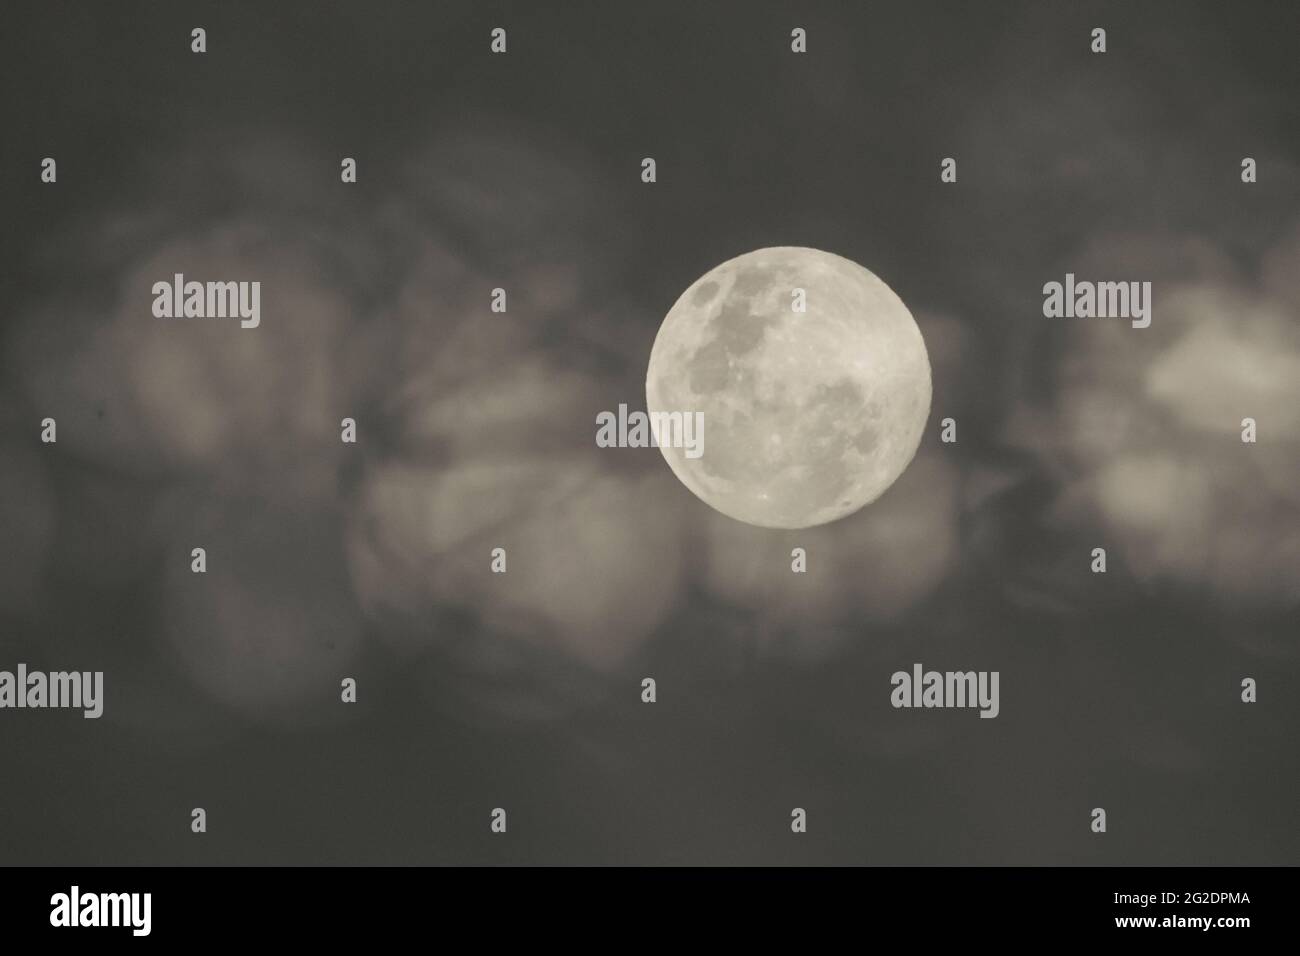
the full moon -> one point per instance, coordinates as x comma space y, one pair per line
812, 380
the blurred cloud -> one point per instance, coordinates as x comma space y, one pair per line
1152, 424
271, 628
869, 567
594, 560
476, 427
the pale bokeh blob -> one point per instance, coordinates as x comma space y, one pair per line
870, 568
271, 627
153, 396
593, 559
1148, 432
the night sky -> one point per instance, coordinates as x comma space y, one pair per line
476, 430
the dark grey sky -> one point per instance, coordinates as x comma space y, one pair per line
522, 171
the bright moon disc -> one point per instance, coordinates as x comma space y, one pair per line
808, 415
